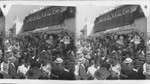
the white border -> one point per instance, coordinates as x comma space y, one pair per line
76, 3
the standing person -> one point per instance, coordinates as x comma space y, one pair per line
12, 68
133, 74
1, 56
82, 70
92, 69
46, 69
146, 68
76, 71
23, 68
115, 71
126, 66
87, 61
5, 66
58, 69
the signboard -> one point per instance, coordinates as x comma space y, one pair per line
45, 13
116, 13
121, 16
120, 28
47, 17
51, 28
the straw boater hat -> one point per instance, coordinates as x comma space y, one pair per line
128, 60
102, 74
59, 60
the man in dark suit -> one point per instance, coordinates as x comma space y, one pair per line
12, 69
58, 69
82, 69
133, 74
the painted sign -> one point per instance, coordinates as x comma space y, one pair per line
118, 17
45, 13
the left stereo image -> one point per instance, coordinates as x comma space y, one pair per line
39, 42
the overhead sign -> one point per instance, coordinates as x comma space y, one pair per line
48, 17
46, 12
51, 28
118, 17
116, 13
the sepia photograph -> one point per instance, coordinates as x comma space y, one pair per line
39, 42
55, 41
111, 43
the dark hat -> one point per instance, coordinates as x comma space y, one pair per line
106, 65
102, 74
34, 73
137, 63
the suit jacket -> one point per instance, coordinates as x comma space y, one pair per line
82, 73
133, 75
58, 70
12, 70
86, 64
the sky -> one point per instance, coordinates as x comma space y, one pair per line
20, 11
90, 12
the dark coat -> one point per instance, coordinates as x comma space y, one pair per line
58, 70
82, 73
12, 71
133, 75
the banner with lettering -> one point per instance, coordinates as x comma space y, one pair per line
47, 17
121, 16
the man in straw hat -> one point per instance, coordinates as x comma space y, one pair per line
126, 66
58, 69
133, 74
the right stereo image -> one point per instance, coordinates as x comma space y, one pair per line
111, 45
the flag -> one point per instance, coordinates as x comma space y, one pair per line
13, 29
84, 30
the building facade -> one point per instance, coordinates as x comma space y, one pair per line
53, 18
122, 19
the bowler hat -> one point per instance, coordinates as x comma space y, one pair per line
102, 74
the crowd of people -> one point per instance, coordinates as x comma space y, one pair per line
39, 55
59, 56
112, 56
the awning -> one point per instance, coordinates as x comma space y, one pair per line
121, 16
125, 31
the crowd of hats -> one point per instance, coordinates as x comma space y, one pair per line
111, 51
40, 51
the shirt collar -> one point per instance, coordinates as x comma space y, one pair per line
135, 70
